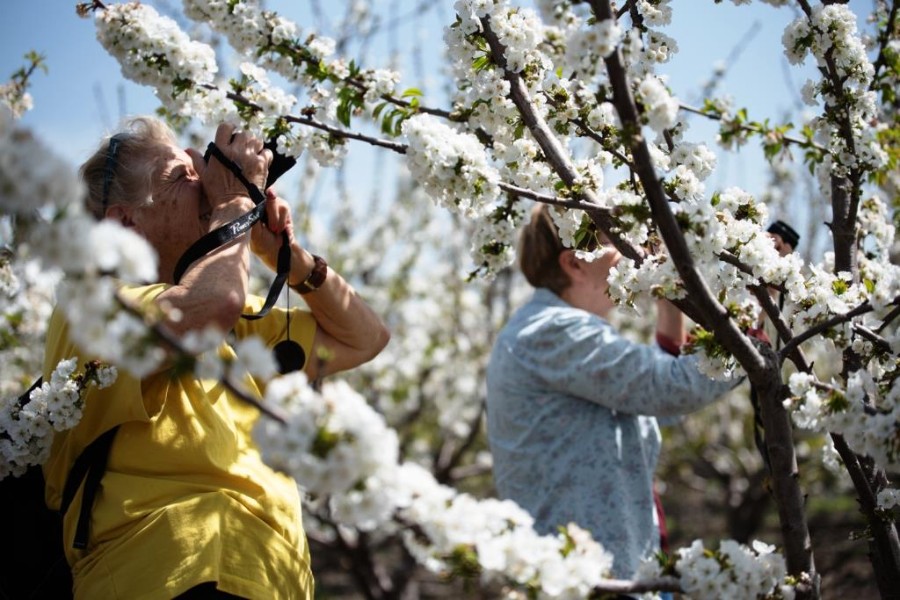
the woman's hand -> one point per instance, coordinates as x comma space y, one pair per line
266, 238
219, 183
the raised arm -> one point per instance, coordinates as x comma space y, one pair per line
670, 324
213, 290
349, 333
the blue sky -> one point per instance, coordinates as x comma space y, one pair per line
84, 95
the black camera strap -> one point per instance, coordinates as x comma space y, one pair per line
228, 232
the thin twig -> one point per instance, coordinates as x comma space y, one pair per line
873, 337
884, 39
750, 128
862, 309
343, 133
895, 312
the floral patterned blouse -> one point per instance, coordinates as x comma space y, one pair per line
571, 414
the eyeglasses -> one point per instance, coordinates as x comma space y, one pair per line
109, 171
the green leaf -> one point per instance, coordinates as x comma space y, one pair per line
343, 113
378, 109
481, 63
839, 286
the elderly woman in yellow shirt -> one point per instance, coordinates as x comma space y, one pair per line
187, 508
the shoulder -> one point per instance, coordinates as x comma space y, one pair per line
536, 322
544, 333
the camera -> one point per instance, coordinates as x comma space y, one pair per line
281, 164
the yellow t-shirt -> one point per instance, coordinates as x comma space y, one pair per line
186, 497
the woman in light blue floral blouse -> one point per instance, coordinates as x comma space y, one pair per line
572, 405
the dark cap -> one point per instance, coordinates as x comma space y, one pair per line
786, 232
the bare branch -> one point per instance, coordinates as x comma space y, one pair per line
895, 312
883, 344
351, 135
625, 586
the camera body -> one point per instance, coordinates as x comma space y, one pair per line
281, 164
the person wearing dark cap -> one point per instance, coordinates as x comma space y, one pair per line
784, 236
785, 239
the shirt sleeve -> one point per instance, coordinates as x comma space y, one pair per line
121, 402
579, 354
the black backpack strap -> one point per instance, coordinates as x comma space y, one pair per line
239, 226
89, 467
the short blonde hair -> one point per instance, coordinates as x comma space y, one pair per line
125, 175
539, 250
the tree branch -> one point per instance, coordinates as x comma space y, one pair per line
762, 366
553, 151
873, 337
827, 324
895, 312
169, 339
450, 454
713, 315
884, 39
750, 128
640, 586
343, 133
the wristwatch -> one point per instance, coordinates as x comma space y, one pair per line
316, 277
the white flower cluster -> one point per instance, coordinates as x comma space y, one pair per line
273, 43
660, 108
254, 358
272, 101
494, 236
502, 538
342, 454
876, 227
655, 12
15, 99
91, 255
830, 34
520, 32
732, 571
586, 46
868, 418
241, 22
451, 166
152, 50
27, 431
32, 177
889, 499
26, 303
823, 295
334, 445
